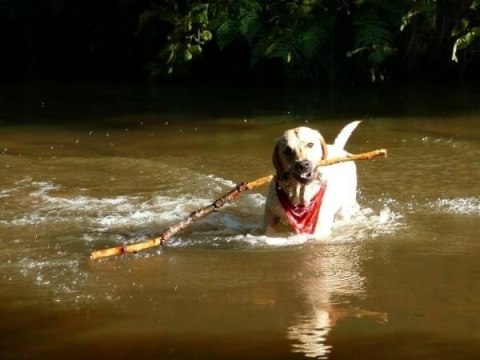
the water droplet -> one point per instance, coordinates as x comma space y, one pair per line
384, 215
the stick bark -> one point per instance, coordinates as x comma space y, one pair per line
354, 157
217, 204
194, 216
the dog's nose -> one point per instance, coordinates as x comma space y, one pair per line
303, 166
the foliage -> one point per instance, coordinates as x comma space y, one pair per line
315, 38
375, 24
188, 30
320, 40
457, 23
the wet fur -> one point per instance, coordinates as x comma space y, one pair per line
291, 155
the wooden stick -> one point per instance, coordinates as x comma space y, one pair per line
194, 216
354, 157
232, 194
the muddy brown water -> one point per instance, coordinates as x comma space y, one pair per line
398, 281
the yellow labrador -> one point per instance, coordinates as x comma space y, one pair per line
303, 195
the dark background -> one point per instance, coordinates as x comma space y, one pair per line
102, 40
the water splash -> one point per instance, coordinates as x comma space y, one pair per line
238, 222
459, 206
81, 221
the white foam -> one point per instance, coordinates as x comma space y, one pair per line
220, 180
366, 224
125, 218
111, 221
156, 212
43, 187
114, 213
459, 206
6, 193
276, 241
28, 219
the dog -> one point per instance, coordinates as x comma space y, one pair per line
303, 195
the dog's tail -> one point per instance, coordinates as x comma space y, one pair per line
344, 135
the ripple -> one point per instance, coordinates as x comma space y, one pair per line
75, 223
237, 223
366, 224
310, 335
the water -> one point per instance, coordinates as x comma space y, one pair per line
398, 281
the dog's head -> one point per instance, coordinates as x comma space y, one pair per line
298, 152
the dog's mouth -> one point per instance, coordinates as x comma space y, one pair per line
304, 177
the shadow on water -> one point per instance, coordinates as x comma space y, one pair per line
91, 167
111, 105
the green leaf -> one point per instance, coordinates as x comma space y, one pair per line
465, 41
195, 50
270, 49
206, 35
226, 33
421, 7
185, 55
199, 13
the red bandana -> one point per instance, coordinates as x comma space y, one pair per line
302, 218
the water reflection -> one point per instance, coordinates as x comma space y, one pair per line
311, 334
336, 282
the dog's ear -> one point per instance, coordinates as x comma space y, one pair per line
324, 148
323, 145
277, 162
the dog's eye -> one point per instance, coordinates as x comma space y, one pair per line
288, 150
310, 144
